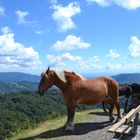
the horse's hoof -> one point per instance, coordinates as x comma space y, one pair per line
111, 119
69, 128
117, 120
64, 126
124, 114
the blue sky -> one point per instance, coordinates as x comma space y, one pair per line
86, 36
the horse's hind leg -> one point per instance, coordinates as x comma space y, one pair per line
111, 118
110, 102
118, 111
103, 105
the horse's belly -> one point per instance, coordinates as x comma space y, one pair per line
91, 100
91, 93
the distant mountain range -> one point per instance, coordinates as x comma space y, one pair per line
18, 87
18, 82
127, 78
22, 82
8, 77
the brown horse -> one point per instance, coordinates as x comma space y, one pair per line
77, 89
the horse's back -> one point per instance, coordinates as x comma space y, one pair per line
107, 80
111, 84
96, 90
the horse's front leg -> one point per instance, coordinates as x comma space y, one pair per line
70, 120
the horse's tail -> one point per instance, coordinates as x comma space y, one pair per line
113, 89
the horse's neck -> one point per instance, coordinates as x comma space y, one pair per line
59, 83
70, 78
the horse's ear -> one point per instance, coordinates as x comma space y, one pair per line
47, 71
73, 73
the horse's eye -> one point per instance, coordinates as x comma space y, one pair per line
43, 78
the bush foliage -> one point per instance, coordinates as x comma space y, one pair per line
23, 111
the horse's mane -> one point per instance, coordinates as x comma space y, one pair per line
62, 74
73, 76
59, 72
81, 76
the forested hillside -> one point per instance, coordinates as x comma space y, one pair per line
23, 111
18, 87
20, 82
27, 110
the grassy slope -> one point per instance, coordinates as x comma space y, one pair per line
53, 124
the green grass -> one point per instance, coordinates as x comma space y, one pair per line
53, 124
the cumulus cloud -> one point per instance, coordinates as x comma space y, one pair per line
63, 15
60, 59
134, 48
127, 4
21, 18
114, 67
15, 54
5, 30
131, 66
123, 66
113, 54
2, 11
71, 42
103, 3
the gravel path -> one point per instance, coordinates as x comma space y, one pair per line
94, 128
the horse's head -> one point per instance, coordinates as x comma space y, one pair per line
46, 81
59, 78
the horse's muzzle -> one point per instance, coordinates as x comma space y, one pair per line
40, 92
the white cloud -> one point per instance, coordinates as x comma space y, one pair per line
2, 11
123, 66
114, 67
39, 32
131, 66
53, 1
103, 3
15, 54
134, 48
69, 43
21, 18
60, 59
63, 15
5, 30
113, 54
127, 4
89, 63
95, 59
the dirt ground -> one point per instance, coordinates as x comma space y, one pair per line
93, 128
